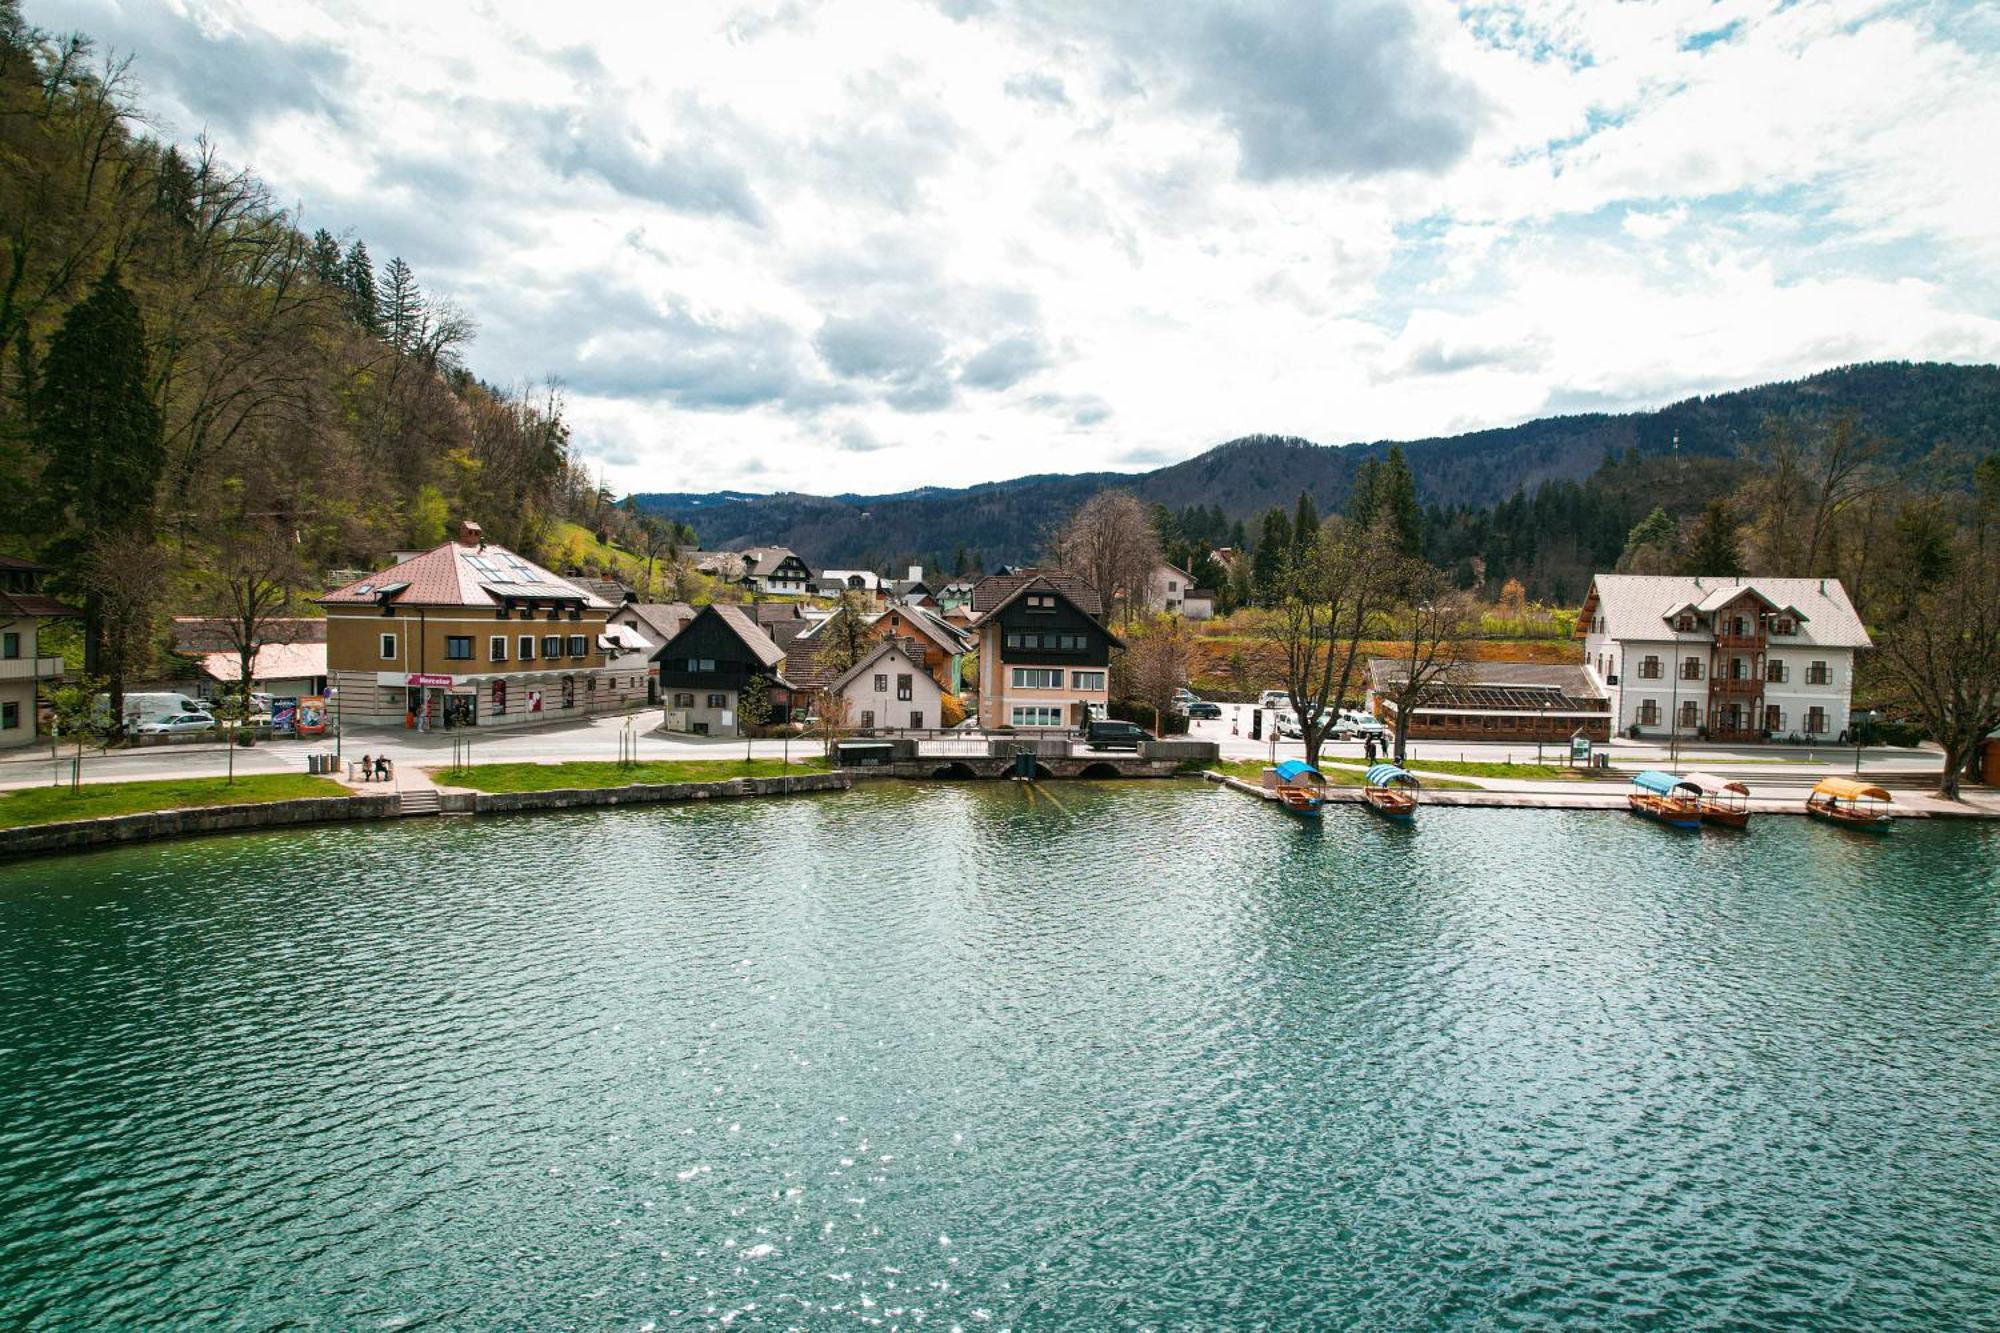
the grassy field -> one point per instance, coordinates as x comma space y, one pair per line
54, 805
1337, 775
605, 773
1524, 772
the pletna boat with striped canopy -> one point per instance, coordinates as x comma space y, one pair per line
1392, 793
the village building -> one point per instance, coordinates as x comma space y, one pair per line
289, 661
1167, 589
889, 690
704, 670
1726, 659
23, 668
1498, 701
1044, 653
470, 634
772, 570
1199, 604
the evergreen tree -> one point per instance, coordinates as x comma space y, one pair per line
1395, 497
1274, 550
1305, 526
359, 274
1361, 501
325, 258
1713, 548
402, 305
100, 437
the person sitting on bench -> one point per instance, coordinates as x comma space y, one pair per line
364, 768
382, 768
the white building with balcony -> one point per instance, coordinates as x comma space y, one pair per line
1729, 659
23, 669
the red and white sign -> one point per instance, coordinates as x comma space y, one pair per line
423, 678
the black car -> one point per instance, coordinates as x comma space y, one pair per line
1203, 708
1110, 734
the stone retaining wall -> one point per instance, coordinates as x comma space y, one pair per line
572, 798
80, 834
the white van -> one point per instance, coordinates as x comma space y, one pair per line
1275, 699
149, 706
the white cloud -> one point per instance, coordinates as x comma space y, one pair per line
872, 244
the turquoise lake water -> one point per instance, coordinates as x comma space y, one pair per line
936, 1057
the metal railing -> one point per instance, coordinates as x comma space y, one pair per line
30, 668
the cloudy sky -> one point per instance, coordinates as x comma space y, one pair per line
877, 244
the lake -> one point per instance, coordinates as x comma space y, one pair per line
1143, 1055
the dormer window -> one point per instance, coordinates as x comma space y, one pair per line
1684, 622
1041, 601
1784, 625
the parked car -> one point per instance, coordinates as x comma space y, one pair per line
175, 724
1183, 697
1111, 734
1286, 724
1203, 708
1275, 699
1353, 724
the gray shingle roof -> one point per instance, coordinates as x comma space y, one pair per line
1635, 606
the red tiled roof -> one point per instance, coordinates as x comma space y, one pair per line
451, 575
34, 604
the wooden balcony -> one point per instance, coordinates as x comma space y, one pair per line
1740, 643
1736, 686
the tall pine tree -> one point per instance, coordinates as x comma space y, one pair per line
1273, 554
359, 271
102, 452
1713, 548
402, 307
1361, 500
325, 258
1305, 526
1396, 500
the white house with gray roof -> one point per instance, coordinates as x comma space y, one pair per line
1734, 659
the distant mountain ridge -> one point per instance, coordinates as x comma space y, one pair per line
1918, 406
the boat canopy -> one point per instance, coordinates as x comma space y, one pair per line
1292, 770
1709, 782
1847, 789
1662, 784
1388, 775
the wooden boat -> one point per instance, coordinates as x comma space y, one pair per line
1852, 804
1665, 799
1301, 788
1724, 801
1391, 793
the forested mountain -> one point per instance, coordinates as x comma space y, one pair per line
1915, 408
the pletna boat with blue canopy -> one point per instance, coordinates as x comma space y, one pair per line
1391, 792
1665, 798
1301, 788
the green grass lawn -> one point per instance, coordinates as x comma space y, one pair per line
1526, 772
53, 805
605, 773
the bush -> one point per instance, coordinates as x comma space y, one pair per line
1131, 710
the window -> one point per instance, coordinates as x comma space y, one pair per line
1649, 713
867, 719
1041, 601
458, 647
10, 716
684, 699
917, 719
1815, 720
1680, 623
1038, 678
1037, 716
904, 688
1690, 714
718, 701
552, 645
527, 648
500, 697
1691, 668
1086, 680
1775, 672
496, 648
701, 664
1738, 669
1774, 718
881, 683
1817, 674
578, 646
1650, 669
10, 644
388, 647
1783, 625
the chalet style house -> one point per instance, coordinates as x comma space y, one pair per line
774, 570
889, 690
470, 634
1729, 659
704, 669
1044, 653
23, 608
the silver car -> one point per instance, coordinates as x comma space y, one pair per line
175, 724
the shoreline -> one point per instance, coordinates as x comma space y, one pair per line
53, 839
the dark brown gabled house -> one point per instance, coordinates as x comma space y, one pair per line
704, 670
1044, 653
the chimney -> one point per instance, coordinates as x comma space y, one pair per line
469, 533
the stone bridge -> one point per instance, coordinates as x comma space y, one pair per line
1039, 757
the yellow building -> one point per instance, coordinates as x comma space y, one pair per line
471, 634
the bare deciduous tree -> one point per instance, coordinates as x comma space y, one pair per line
1330, 593
1157, 661
1111, 544
1432, 627
1938, 656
